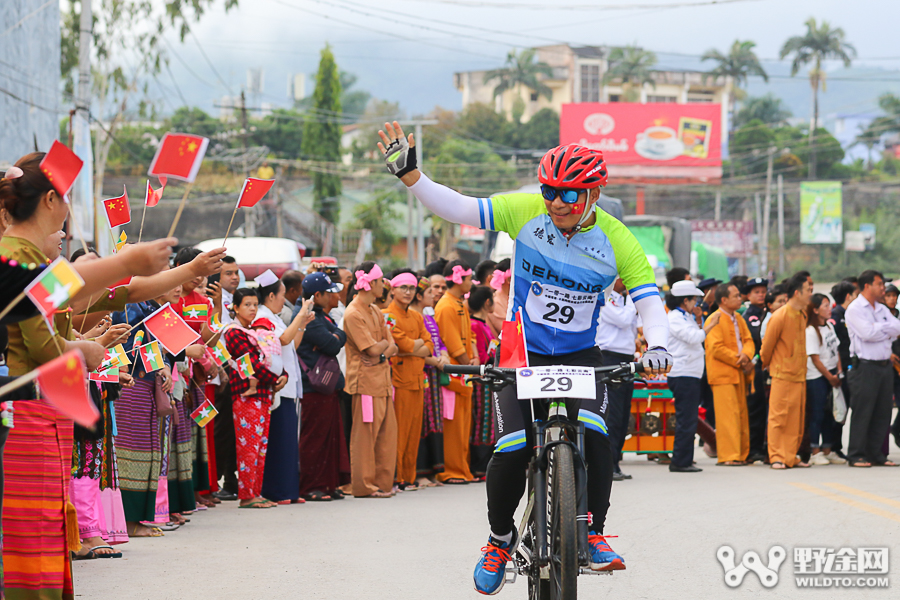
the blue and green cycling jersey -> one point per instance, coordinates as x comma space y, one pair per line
559, 283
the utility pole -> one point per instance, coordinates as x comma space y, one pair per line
764, 246
781, 266
756, 203
718, 205
89, 224
414, 217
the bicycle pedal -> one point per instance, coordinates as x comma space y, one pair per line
588, 571
511, 575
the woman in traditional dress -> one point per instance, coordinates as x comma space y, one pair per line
281, 479
251, 396
499, 282
37, 516
481, 306
430, 460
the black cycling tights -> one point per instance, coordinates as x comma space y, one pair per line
507, 472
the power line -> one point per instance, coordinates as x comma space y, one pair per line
578, 7
209, 62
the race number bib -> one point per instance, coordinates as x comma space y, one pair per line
556, 382
560, 308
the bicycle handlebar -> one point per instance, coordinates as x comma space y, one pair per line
499, 372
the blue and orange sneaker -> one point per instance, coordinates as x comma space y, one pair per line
602, 556
490, 572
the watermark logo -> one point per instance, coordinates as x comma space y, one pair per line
814, 567
751, 561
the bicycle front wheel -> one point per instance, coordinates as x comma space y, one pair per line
563, 527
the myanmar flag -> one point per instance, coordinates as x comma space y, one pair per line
204, 413
195, 312
220, 354
179, 155
215, 324
170, 329
105, 375
245, 366
123, 239
54, 287
63, 382
513, 352
117, 356
138, 340
151, 357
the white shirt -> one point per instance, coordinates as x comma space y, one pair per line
287, 361
617, 325
827, 350
686, 344
871, 329
227, 299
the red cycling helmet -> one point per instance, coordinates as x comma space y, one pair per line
573, 166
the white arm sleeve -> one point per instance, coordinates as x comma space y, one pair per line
446, 203
656, 323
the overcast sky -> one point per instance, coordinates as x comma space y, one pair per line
408, 50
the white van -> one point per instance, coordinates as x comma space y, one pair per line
256, 254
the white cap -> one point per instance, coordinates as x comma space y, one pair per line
685, 288
266, 279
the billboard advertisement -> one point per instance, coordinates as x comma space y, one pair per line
734, 238
821, 219
656, 135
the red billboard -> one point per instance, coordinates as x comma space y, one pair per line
648, 135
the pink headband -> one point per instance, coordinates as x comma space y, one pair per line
459, 274
364, 280
404, 279
499, 278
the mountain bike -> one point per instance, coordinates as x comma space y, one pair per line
552, 548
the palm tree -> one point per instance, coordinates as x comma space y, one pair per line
632, 66
521, 70
819, 43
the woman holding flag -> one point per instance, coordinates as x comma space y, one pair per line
39, 519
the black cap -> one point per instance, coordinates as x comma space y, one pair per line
708, 283
755, 282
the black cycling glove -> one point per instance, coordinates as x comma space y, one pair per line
399, 158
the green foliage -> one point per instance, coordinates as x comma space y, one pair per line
885, 257
521, 70
322, 137
282, 132
353, 102
740, 63
193, 120
481, 122
769, 109
379, 217
631, 66
472, 168
828, 153
541, 132
749, 145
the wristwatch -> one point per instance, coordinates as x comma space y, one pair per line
382, 358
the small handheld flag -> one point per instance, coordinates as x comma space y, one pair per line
138, 339
513, 351
253, 191
170, 329
61, 166
54, 287
117, 356
204, 413
245, 366
63, 382
118, 212
195, 312
108, 375
215, 323
179, 156
151, 357
123, 239
152, 197
220, 354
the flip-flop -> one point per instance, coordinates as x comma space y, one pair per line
379, 494
860, 464
780, 468
89, 555
317, 496
456, 481
257, 504
108, 554
153, 532
887, 463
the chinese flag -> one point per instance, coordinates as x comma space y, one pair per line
117, 210
152, 196
61, 166
253, 191
170, 329
63, 382
179, 155
513, 353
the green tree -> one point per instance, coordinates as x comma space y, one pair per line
281, 131
472, 168
632, 67
825, 150
380, 217
481, 122
768, 109
749, 145
740, 63
322, 138
541, 132
193, 120
521, 71
818, 44
888, 123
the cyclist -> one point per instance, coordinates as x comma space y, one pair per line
567, 251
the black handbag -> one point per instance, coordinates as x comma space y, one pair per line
324, 376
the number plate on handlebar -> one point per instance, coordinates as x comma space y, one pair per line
556, 382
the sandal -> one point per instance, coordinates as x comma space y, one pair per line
379, 494
860, 463
89, 555
801, 465
456, 481
317, 496
887, 463
778, 466
148, 532
337, 495
106, 555
257, 504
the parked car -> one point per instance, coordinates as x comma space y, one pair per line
256, 254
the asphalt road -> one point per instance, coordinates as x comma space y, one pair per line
425, 544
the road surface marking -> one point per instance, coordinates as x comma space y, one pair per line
849, 502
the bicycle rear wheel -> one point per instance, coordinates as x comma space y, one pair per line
563, 582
